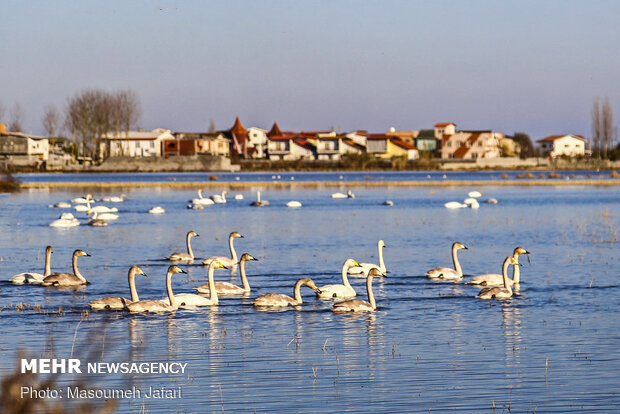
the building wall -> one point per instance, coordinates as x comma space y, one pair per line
567, 146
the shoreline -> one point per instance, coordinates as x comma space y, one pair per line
316, 184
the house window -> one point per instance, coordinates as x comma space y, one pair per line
152, 144
449, 144
474, 155
460, 143
479, 143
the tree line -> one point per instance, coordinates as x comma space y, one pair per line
88, 115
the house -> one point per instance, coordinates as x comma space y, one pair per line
257, 142
238, 138
444, 128
385, 146
196, 143
563, 145
359, 137
19, 149
471, 145
290, 147
133, 143
426, 140
406, 136
58, 158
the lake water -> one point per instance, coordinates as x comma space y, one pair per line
431, 346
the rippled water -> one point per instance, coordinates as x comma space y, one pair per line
430, 346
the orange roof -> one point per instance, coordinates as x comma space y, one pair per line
462, 150
552, 138
238, 128
402, 144
275, 130
377, 136
443, 124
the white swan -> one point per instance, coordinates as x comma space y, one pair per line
454, 204
185, 257
189, 300
82, 200
35, 278
225, 288
280, 300
82, 207
474, 194
349, 194
96, 221
364, 268
104, 215
238, 196
61, 204
226, 261
157, 210
201, 200
114, 199
259, 202
339, 291
497, 292
358, 305
67, 279
196, 206
494, 279
388, 203
104, 209
446, 272
65, 222
154, 305
219, 198
116, 302
293, 204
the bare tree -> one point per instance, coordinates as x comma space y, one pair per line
93, 114
607, 126
1, 113
17, 115
595, 112
212, 126
51, 121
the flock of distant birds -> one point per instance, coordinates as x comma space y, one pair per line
494, 286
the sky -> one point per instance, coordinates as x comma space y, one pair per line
531, 66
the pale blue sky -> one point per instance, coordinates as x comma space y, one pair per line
532, 66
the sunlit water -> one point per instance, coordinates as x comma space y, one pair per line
430, 346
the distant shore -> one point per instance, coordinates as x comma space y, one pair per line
318, 184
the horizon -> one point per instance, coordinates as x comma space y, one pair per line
509, 67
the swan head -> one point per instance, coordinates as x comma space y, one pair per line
235, 235
350, 263
79, 253
374, 272
459, 246
217, 265
192, 234
49, 249
513, 261
175, 269
136, 270
382, 243
247, 256
519, 251
310, 283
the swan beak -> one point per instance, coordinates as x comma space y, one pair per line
465, 247
183, 271
86, 254
317, 291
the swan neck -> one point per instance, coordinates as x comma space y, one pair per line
505, 275
48, 263
345, 278
455, 260
244, 278
381, 262
132, 286
371, 296
231, 246
76, 271
169, 290
189, 246
516, 274
212, 290
297, 292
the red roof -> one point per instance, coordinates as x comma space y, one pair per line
552, 138
279, 138
275, 130
463, 149
377, 136
238, 128
402, 144
444, 124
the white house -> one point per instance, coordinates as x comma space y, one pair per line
559, 145
134, 143
21, 149
471, 145
257, 138
290, 148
